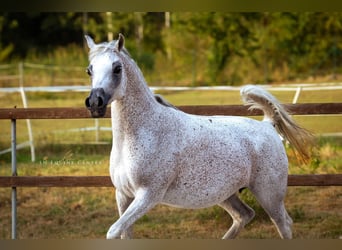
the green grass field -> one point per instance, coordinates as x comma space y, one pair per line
57, 213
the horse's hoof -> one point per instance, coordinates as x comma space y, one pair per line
112, 234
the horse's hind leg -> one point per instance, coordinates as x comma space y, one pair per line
240, 212
272, 200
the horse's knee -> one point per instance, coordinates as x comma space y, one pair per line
244, 216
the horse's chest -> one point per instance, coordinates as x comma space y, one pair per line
130, 170
122, 180
121, 173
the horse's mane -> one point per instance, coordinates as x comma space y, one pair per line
163, 102
105, 47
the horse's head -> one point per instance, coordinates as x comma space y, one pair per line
107, 76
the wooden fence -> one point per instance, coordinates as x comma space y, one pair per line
104, 181
15, 181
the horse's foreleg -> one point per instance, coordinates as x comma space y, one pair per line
123, 202
240, 212
141, 204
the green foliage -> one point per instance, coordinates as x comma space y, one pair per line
5, 52
190, 48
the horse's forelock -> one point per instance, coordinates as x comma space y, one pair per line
104, 48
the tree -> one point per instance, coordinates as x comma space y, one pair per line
42, 31
206, 47
230, 34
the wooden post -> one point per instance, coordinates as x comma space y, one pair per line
24, 99
295, 98
14, 173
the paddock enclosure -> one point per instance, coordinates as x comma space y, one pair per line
14, 114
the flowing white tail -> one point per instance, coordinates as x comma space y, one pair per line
301, 139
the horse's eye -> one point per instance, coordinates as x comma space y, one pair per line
117, 69
88, 70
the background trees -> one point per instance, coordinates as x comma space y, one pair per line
189, 48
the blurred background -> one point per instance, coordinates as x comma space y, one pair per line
179, 48
43, 57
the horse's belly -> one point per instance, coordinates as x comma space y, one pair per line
199, 199
207, 189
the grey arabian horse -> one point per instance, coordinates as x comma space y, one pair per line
163, 155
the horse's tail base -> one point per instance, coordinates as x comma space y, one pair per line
301, 139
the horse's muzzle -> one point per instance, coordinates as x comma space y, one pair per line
97, 102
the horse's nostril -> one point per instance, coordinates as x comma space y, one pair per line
99, 101
87, 102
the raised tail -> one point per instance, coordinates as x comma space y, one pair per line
301, 139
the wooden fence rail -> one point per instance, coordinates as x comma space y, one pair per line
104, 181
241, 110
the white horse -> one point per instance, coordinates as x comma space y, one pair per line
163, 155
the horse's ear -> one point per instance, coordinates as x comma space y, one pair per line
90, 41
120, 42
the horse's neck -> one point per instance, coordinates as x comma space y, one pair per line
132, 112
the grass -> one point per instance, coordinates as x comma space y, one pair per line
65, 213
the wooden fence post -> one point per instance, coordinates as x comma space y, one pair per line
14, 173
